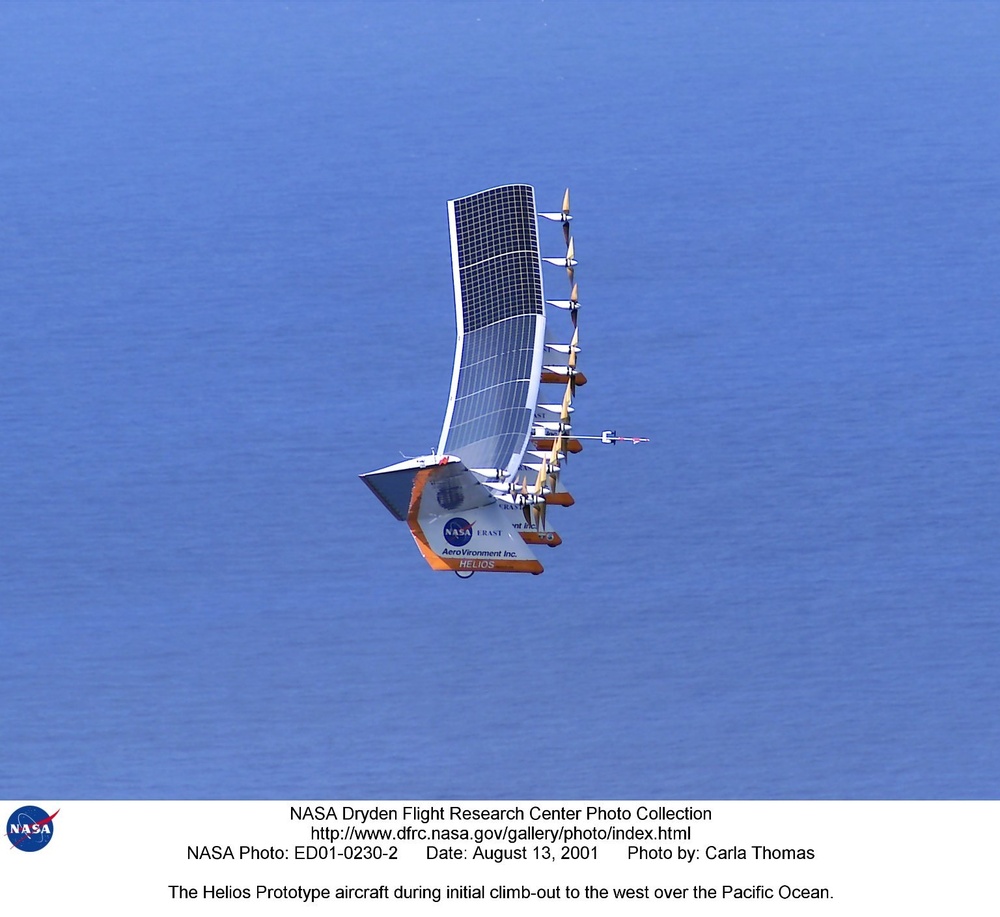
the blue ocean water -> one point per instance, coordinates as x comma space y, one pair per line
225, 291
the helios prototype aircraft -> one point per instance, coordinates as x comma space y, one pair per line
479, 503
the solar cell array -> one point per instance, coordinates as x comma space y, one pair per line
498, 286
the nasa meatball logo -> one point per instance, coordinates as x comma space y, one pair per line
458, 532
30, 828
449, 496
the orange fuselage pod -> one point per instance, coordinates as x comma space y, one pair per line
559, 499
533, 536
545, 444
561, 378
515, 519
458, 524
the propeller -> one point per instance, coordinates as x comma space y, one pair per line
560, 348
574, 349
538, 511
572, 304
567, 398
539, 506
557, 450
569, 262
525, 509
560, 373
562, 216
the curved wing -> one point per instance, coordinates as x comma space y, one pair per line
500, 313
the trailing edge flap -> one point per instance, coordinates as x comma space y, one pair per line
458, 525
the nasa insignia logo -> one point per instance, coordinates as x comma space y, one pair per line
449, 496
30, 828
457, 532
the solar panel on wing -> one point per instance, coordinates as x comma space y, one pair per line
501, 327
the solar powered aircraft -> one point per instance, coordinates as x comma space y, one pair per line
480, 502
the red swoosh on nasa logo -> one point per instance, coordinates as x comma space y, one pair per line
44, 821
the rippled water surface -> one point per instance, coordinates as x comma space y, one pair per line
225, 290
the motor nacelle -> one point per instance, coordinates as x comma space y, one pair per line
551, 539
562, 375
545, 444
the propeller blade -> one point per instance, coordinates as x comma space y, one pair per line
554, 468
538, 511
571, 304
562, 216
556, 449
542, 474
575, 378
564, 414
556, 454
574, 349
